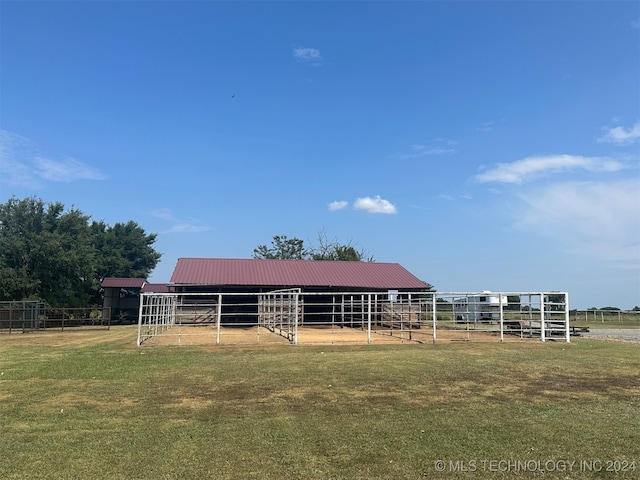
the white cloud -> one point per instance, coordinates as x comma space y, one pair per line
600, 220
17, 174
65, 171
307, 54
14, 152
451, 197
338, 205
421, 150
620, 135
21, 164
530, 168
189, 225
375, 205
438, 146
485, 127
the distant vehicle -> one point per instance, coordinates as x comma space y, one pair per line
478, 308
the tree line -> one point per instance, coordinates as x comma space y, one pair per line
60, 256
284, 248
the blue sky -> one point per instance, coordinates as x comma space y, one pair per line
482, 145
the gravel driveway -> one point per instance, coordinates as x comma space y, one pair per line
621, 334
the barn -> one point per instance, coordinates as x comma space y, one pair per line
324, 283
223, 301
223, 275
121, 296
279, 293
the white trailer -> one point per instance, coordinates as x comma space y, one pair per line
478, 308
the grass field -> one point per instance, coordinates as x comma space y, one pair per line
604, 319
91, 405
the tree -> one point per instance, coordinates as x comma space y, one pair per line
56, 256
513, 302
282, 248
125, 250
45, 253
333, 250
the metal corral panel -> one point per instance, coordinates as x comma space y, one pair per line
300, 273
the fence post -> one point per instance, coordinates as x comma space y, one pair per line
543, 327
566, 317
296, 301
369, 321
62, 322
501, 318
433, 302
218, 319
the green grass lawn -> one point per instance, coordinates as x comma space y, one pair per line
91, 405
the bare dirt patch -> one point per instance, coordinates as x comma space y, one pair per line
318, 335
207, 335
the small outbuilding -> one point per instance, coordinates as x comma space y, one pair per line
121, 298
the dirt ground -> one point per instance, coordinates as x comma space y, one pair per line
207, 335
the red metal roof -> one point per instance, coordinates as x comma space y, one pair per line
114, 282
293, 273
155, 288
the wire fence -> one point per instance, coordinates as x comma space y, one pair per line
609, 317
296, 317
33, 316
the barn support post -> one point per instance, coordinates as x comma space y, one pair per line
218, 318
333, 311
352, 310
376, 311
